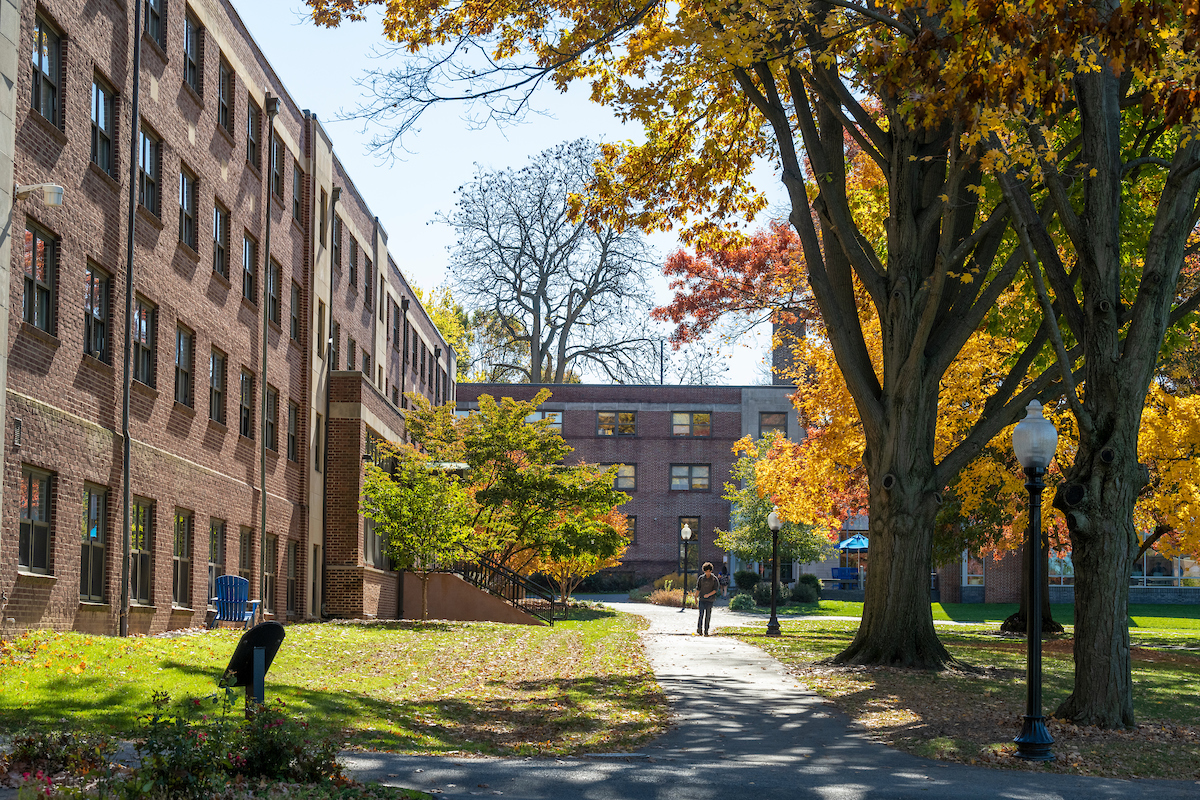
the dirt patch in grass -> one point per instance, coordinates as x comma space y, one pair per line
972, 717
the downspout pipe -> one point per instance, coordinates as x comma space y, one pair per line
337, 195
135, 130
403, 405
272, 106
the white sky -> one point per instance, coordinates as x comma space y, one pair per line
319, 68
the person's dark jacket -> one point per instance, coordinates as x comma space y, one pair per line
707, 587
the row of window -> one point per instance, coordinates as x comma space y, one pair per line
36, 540
683, 423
684, 477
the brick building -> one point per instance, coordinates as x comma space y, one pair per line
676, 447
214, 162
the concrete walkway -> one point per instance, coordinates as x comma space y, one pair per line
743, 729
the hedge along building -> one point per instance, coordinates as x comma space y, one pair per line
344, 335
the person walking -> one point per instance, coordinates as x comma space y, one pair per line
706, 592
723, 579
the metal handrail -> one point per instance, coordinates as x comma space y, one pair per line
510, 586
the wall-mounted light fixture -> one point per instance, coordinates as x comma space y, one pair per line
52, 193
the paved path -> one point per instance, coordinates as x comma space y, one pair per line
743, 729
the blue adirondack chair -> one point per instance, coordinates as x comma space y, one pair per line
233, 601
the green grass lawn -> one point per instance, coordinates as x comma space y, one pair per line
973, 716
581, 686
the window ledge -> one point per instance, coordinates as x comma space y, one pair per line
92, 605
142, 608
48, 339
183, 408
221, 279
107, 179
254, 170
297, 224
228, 136
155, 46
243, 438
143, 389
36, 577
212, 423
189, 251
249, 304
149, 217
97, 364
181, 609
48, 126
189, 90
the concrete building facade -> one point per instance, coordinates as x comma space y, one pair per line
345, 335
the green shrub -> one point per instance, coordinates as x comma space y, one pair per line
741, 602
641, 594
673, 581
59, 750
671, 597
803, 592
746, 580
271, 744
811, 581
762, 593
179, 758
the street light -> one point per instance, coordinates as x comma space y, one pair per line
774, 523
1034, 442
685, 534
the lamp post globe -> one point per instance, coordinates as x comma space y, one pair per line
1034, 442
685, 534
774, 523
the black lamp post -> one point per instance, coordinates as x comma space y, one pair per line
774, 523
1034, 441
685, 535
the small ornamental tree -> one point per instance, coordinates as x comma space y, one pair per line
584, 546
421, 512
749, 536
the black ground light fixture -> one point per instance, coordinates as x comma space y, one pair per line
774, 523
1034, 442
685, 536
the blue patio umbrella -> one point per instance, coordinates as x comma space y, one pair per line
855, 544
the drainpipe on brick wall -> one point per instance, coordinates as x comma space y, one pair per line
337, 195
134, 128
271, 103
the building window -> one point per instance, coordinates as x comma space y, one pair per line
150, 148
189, 195
366, 364
395, 327
40, 278
193, 69
353, 263
616, 423
317, 434
297, 188
270, 568
691, 423
143, 341
181, 560
249, 261
689, 477
335, 335
224, 96
352, 354
368, 282
183, 366
102, 125
274, 310
293, 441
321, 330
631, 529
141, 520
216, 554
372, 544
382, 295
626, 479
324, 213
155, 27
91, 557
555, 418
221, 240
972, 570
421, 373
216, 387
292, 575
253, 131
95, 312
272, 418
277, 155
47, 69
245, 410
693, 550
294, 309
245, 537
33, 549
772, 422
336, 247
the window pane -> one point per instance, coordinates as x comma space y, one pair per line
681, 424
628, 423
